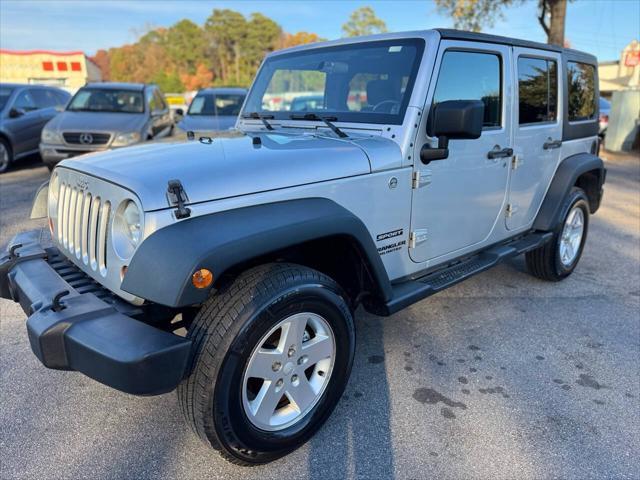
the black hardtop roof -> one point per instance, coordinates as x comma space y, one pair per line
452, 34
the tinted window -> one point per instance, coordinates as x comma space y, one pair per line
537, 90
369, 82
472, 76
25, 101
44, 98
582, 94
107, 100
5, 93
218, 104
63, 98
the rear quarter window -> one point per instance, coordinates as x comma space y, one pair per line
582, 91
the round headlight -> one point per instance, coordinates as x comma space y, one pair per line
127, 229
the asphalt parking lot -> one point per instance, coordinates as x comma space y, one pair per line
503, 376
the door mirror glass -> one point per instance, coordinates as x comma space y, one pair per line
452, 120
16, 112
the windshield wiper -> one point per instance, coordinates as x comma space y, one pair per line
257, 116
326, 120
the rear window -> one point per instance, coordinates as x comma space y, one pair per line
581, 79
537, 90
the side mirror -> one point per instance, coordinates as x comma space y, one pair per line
16, 112
179, 111
452, 120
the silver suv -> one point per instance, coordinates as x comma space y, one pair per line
430, 157
106, 115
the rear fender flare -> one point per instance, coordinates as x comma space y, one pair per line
563, 181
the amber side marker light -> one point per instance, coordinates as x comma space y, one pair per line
123, 272
51, 226
202, 278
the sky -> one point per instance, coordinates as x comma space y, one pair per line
601, 27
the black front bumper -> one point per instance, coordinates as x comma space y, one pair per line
87, 329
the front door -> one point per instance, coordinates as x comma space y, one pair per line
537, 133
457, 201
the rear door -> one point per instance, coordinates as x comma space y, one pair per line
457, 201
537, 132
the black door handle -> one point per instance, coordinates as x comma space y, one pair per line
552, 144
497, 153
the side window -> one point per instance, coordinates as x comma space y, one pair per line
61, 99
582, 93
537, 90
43, 98
472, 76
25, 101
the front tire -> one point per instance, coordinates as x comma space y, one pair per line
558, 258
6, 155
272, 353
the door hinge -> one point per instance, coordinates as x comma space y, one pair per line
511, 209
516, 161
420, 179
417, 237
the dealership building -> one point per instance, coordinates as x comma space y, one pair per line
67, 70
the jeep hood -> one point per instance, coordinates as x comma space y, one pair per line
227, 167
97, 122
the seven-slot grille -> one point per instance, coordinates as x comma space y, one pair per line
86, 138
83, 220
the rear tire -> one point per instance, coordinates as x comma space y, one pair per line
228, 360
558, 258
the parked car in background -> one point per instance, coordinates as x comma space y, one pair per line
605, 109
24, 111
213, 109
307, 103
106, 115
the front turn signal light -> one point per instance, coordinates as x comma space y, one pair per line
202, 278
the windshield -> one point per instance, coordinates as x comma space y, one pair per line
369, 82
5, 93
216, 104
107, 100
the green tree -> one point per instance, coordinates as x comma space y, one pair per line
185, 46
363, 21
227, 50
225, 29
474, 14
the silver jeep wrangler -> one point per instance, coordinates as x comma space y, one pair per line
372, 171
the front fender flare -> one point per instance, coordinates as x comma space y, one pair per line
161, 269
563, 181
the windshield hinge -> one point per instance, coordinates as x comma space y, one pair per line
177, 196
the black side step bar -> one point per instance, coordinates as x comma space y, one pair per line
411, 291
